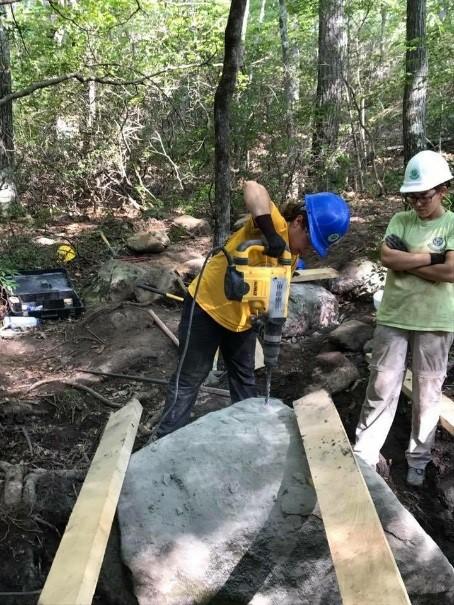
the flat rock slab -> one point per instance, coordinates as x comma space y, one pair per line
351, 335
222, 511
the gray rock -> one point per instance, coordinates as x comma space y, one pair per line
310, 308
446, 487
241, 221
368, 346
352, 335
194, 226
191, 267
360, 277
333, 372
117, 281
148, 241
222, 511
8, 192
415, 552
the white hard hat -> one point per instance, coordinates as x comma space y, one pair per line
424, 171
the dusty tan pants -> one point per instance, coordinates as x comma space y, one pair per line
387, 369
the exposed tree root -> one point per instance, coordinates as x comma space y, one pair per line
76, 385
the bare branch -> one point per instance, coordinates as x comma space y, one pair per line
57, 10
28, 90
164, 153
19, 30
5, 2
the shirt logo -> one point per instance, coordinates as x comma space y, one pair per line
437, 244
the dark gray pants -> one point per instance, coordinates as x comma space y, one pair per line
238, 352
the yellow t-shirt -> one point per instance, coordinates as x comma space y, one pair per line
412, 303
232, 314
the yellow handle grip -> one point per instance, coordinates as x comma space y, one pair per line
241, 254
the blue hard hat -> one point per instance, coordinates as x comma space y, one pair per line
328, 216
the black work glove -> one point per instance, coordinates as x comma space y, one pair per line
275, 244
437, 258
396, 243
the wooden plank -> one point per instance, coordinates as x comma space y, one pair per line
446, 407
365, 567
74, 573
163, 327
314, 275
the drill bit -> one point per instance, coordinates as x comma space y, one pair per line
268, 385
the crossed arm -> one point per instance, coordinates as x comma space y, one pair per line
418, 263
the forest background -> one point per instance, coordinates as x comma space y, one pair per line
108, 104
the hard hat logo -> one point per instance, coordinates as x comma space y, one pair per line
414, 174
333, 237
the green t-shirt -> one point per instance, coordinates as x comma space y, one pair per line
410, 302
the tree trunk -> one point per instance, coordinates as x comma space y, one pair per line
290, 59
291, 65
331, 51
243, 35
416, 71
222, 99
7, 183
262, 11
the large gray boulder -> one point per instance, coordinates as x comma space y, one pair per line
360, 277
192, 225
148, 241
311, 307
222, 511
118, 280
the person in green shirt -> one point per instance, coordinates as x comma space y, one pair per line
416, 314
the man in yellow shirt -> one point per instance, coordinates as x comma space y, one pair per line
417, 313
217, 322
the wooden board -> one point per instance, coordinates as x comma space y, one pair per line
446, 407
74, 573
314, 275
365, 567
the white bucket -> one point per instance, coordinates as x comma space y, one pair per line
14, 322
378, 295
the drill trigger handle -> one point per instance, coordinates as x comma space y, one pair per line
257, 244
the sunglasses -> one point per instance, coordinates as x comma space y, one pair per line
423, 198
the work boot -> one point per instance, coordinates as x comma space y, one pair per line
415, 476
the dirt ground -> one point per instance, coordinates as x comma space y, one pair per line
52, 430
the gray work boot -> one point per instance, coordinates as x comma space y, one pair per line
415, 476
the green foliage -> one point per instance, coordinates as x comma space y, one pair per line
7, 273
448, 202
22, 253
176, 233
149, 145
